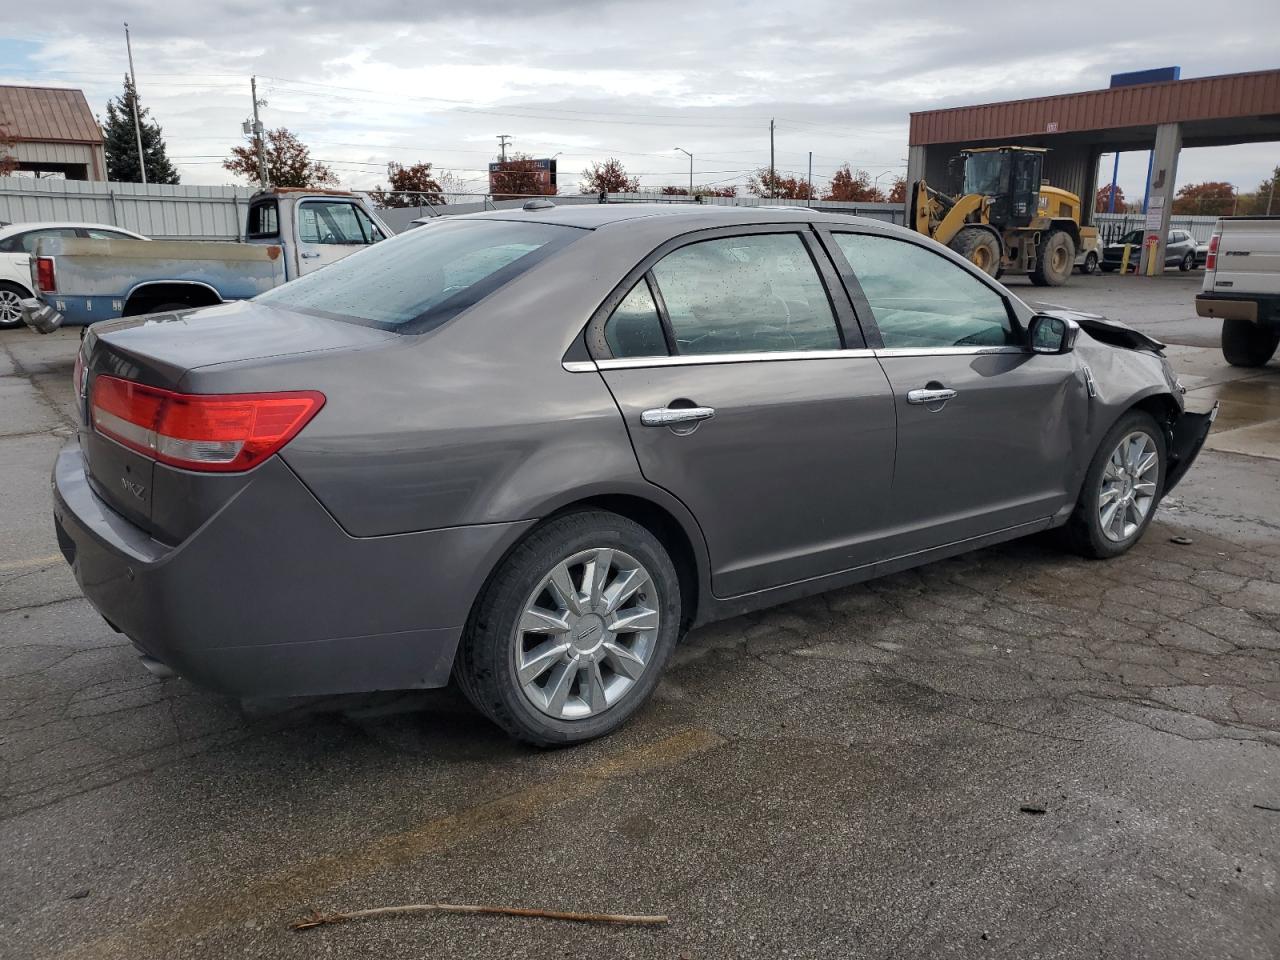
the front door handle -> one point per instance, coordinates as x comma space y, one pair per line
671, 416
930, 396
309, 256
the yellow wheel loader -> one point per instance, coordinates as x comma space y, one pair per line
1007, 220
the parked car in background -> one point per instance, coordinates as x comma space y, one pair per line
17, 242
1242, 288
289, 233
1179, 251
1088, 256
1202, 254
530, 448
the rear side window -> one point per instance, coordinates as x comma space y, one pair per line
748, 294
634, 329
923, 300
423, 277
264, 221
94, 234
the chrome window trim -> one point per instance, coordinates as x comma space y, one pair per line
694, 360
580, 366
945, 351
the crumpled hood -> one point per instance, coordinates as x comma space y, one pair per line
1103, 328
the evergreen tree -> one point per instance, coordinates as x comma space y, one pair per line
122, 142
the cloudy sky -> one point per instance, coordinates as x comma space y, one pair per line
364, 83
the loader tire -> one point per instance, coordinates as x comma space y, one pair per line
980, 247
1055, 259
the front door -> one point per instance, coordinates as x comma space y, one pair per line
329, 230
742, 400
985, 426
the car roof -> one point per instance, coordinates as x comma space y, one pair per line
52, 224
591, 216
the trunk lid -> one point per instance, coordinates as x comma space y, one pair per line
162, 350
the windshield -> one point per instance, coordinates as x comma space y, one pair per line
984, 173
424, 277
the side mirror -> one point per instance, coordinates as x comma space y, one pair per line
1050, 334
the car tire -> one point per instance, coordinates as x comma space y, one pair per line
1107, 268
1187, 262
1246, 344
1084, 532
523, 590
1055, 258
1090, 265
10, 314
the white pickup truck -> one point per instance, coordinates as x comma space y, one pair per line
289, 233
1242, 288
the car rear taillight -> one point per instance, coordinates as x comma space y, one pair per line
46, 275
1211, 261
209, 432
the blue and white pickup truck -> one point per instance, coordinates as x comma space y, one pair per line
289, 232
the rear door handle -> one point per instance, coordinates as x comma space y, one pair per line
670, 416
930, 396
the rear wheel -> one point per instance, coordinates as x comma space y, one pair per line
571, 633
1246, 344
10, 312
1187, 262
980, 247
1055, 257
1121, 489
1090, 265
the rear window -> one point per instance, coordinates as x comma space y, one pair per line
424, 277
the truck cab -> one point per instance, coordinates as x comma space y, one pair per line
315, 227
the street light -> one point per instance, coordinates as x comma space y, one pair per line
690, 156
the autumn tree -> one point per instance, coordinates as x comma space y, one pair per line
1214, 198
120, 141
773, 184
412, 186
853, 185
289, 162
517, 176
8, 159
898, 192
1102, 200
608, 177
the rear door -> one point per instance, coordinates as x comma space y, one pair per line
329, 230
985, 426
749, 394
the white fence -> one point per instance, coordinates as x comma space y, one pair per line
155, 210
1111, 226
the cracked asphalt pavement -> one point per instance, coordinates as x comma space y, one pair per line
1015, 753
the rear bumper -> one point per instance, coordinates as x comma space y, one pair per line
270, 597
1261, 310
1189, 434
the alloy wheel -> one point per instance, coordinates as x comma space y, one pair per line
1128, 491
586, 633
10, 312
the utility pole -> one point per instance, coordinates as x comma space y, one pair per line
690, 156
1271, 195
257, 134
503, 138
810, 194
773, 177
137, 126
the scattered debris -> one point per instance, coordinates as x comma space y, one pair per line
1263, 806
317, 919
1034, 811
78, 894
1181, 541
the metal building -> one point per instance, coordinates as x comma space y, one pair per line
55, 132
1079, 127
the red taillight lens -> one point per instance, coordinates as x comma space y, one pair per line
213, 432
1211, 261
46, 275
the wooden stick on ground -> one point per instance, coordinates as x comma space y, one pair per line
318, 919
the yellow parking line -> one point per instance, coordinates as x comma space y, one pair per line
300, 886
30, 564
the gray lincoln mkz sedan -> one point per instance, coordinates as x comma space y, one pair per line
528, 449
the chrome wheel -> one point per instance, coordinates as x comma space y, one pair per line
10, 312
1128, 491
586, 634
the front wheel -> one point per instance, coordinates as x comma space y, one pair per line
571, 633
1055, 257
1121, 489
1187, 262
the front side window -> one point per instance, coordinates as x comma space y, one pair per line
746, 294
634, 329
264, 221
923, 300
327, 221
423, 277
